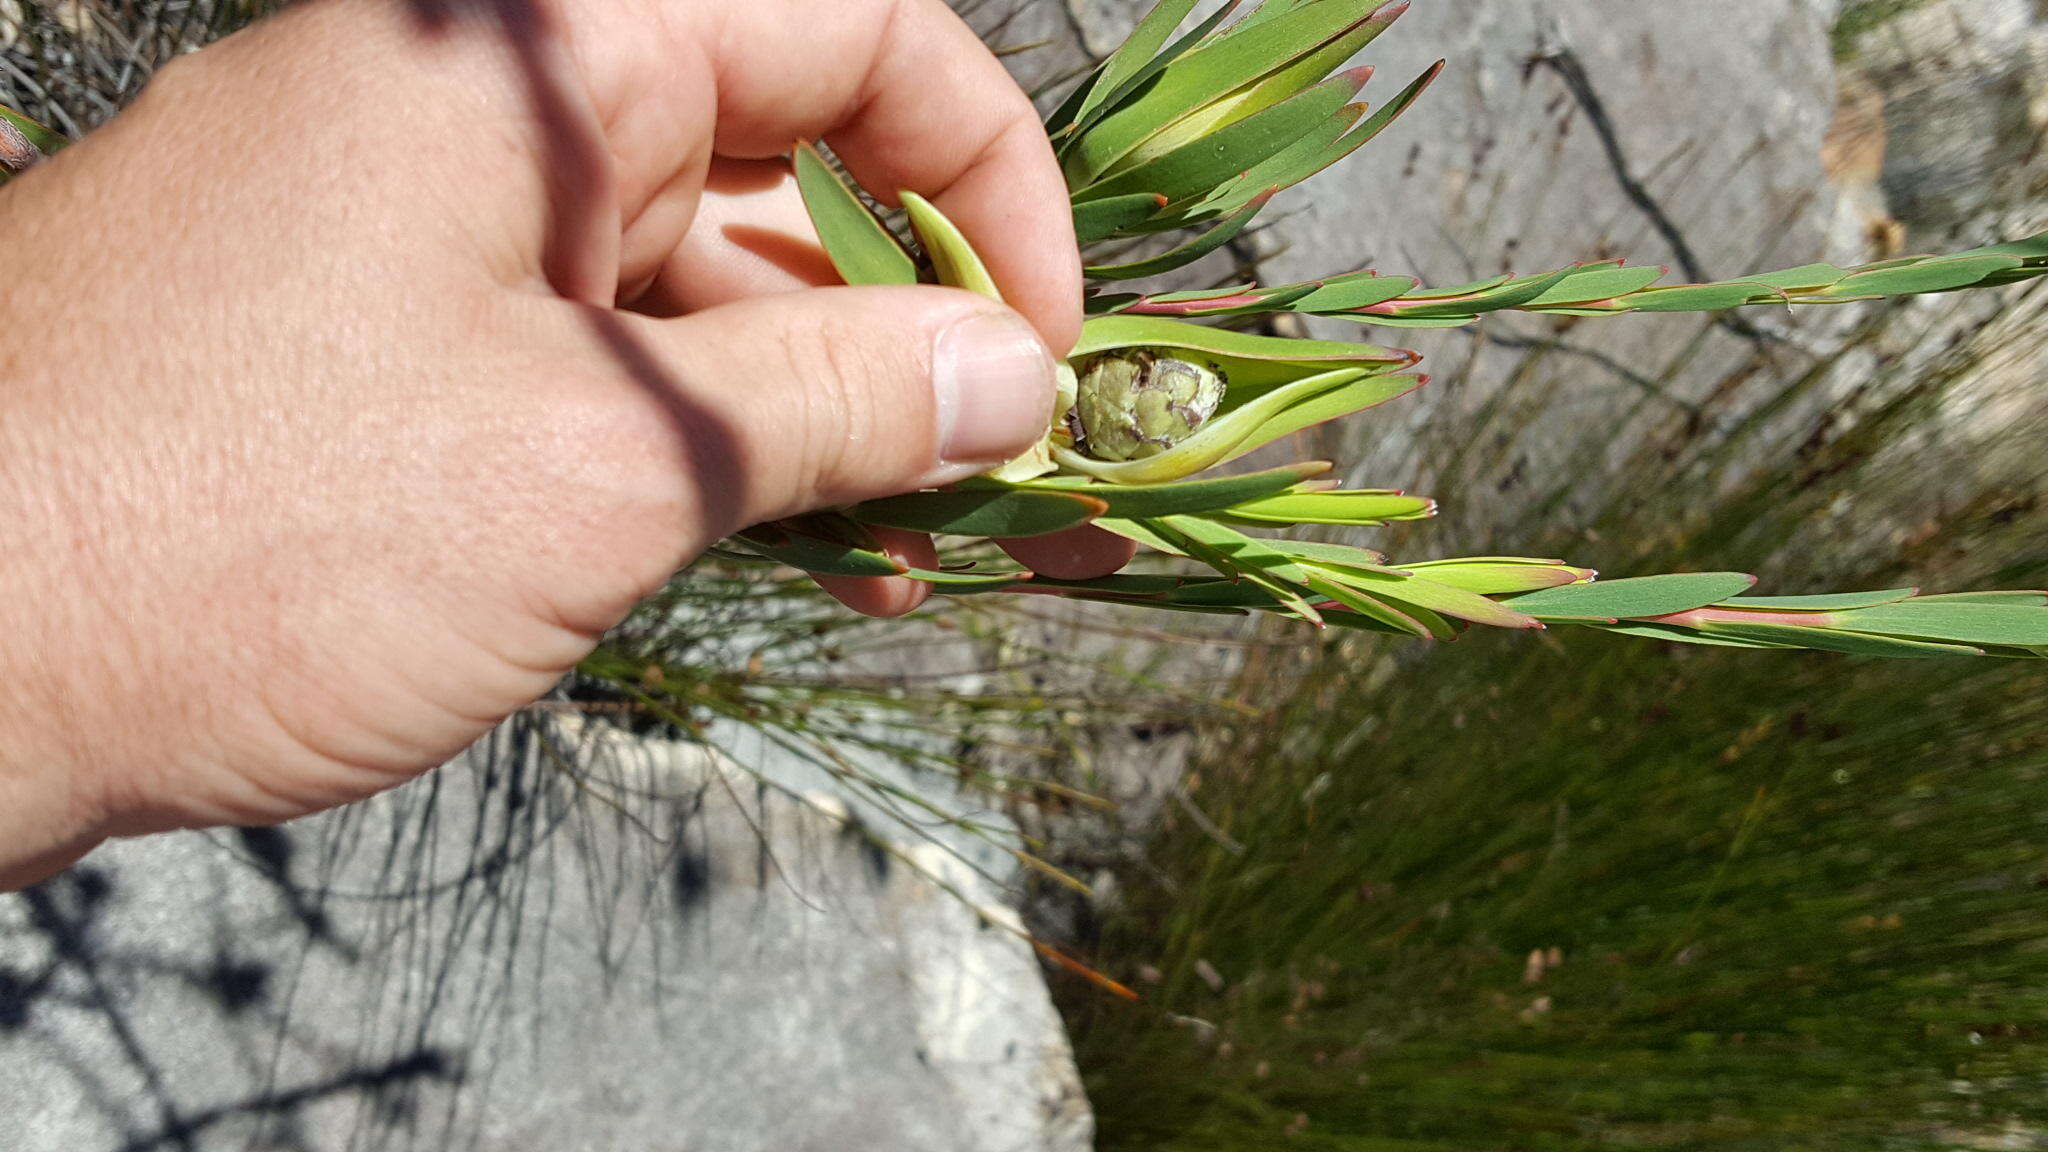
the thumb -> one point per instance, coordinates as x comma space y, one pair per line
810, 399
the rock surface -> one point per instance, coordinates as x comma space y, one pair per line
664, 953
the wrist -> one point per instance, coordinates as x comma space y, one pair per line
48, 818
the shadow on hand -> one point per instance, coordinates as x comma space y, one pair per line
576, 165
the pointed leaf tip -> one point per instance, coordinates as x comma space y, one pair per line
859, 246
955, 260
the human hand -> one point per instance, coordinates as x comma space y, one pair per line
386, 354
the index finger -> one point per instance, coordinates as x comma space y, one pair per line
910, 99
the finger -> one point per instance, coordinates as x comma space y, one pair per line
751, 237
1082, 553
888, 596
902, 89
781, 405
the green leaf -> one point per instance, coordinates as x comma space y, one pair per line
1608, 288
1138, 50
2006, 624
952, 256
1402, 101
1494, 298
1197, 167
1673, 635
1357, 290
1185, 254
1008, 512
1806, 276
1309, 154
2031, 599
1358, 623
1250, 360
1317, 152
1503, 576
1207, 74
1360, 508
1702, 297
1300, 74
1598, 284
816, 554
1436, 597
2033, 248
1341, 554
861, 249
1834, 602
1141, 80
1377, 318
1139, 501
1937, 275
1133, 584
1826, 640
1242, 555
1351, 397
1229, 552
44, 140
1267, 11
1248, 555
1145, 532
1098, 220
1156, 605
1250, 301
1230, 593
1640, 596
1375, 609
966, 583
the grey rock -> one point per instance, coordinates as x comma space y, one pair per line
1660, 133
663, 952
1961, 97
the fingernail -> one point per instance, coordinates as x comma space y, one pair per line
994, 380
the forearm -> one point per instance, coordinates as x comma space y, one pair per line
46, 817
82, 693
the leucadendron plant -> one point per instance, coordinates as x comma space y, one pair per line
1193, 133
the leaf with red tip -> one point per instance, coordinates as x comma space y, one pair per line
1187, 253
1098, 220
1598, 284
1203, 163
1356, 290
1230, 63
